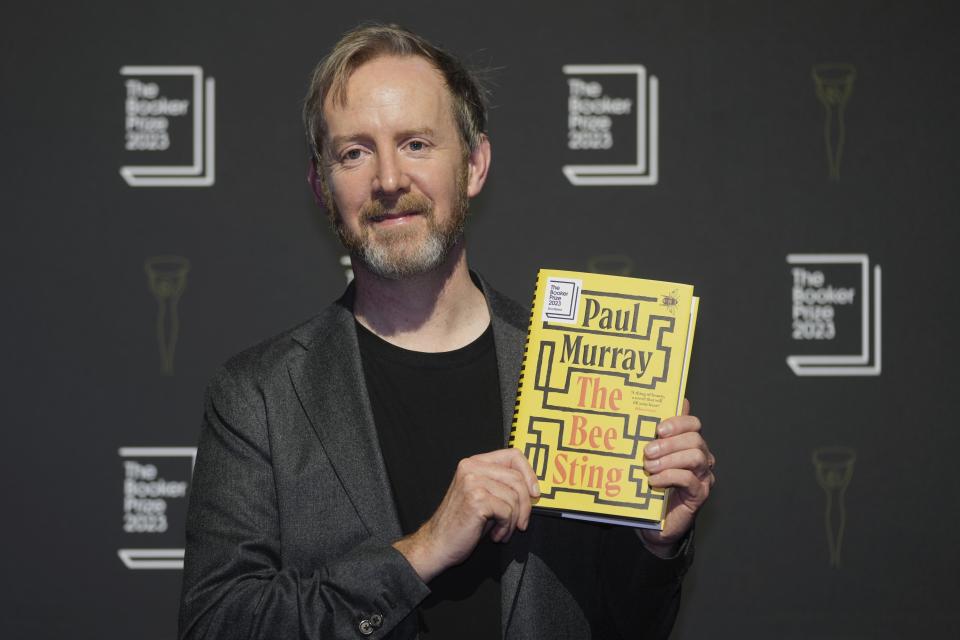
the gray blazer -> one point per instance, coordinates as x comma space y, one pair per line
291, 516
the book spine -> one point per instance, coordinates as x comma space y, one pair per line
523, 365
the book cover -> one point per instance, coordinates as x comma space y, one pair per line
606, 360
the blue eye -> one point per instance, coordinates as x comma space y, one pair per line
352, 154
417, 145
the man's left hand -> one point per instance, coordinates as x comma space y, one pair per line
680, 460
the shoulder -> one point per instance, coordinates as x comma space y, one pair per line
272, 359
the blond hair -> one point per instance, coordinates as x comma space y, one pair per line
369, 41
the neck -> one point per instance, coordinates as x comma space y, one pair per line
441, 310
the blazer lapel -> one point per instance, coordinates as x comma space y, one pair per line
330, 384
509, 337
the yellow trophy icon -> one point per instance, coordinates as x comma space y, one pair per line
167, 278
834, 86
834, 468
612, 264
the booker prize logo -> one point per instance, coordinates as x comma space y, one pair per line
562, 300
612, 125
155, 484
836, 315
169, 127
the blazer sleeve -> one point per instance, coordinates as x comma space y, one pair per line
235, 584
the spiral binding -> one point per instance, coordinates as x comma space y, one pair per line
523, 365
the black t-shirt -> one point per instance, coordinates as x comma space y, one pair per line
431, 410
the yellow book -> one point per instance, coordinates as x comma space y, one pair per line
606, 360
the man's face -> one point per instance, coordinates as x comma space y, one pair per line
398, 180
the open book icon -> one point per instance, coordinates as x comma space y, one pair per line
643, 170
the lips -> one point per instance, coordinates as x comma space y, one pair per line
398, 215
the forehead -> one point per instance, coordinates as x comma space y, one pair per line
391, 90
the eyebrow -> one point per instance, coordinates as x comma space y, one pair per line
337, 141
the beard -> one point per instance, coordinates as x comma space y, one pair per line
405, 250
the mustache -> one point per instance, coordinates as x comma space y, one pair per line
407, 203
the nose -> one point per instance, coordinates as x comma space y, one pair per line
391, 177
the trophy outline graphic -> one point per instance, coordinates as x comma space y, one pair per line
833, 83
167, 280
643, 172
200, 173
834, 471
846, 365
155, 558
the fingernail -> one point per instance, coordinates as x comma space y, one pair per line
665, 429
653, 449
535, 488
653, 465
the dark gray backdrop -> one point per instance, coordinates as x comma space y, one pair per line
743, 183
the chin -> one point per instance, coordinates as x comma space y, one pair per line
398, 263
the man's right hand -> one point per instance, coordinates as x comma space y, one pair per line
489, 492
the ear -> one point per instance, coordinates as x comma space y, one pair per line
478, 164
316, 183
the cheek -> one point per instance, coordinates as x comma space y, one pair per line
347, 193
438, 185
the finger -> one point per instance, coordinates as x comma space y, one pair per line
678, 424
505, 494
497, 504
686, 408
476, 500
514, 459
500, 531
683, 480
512, 479
662, 446
693, 460
520, 463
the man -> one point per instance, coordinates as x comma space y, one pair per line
351, 479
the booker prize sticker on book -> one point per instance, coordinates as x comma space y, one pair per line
606, 360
